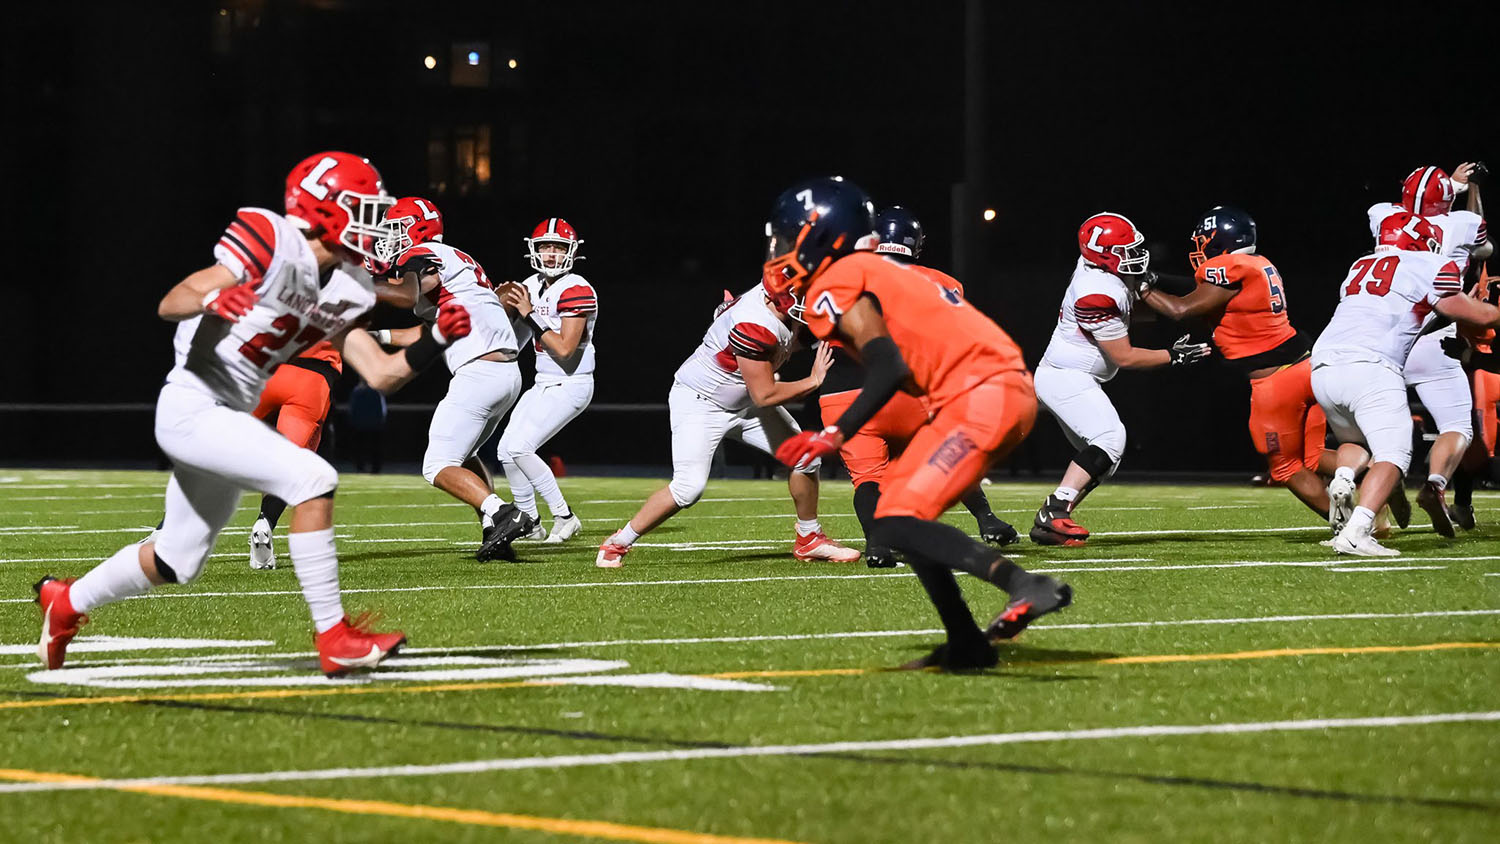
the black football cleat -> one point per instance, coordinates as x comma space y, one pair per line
1040, 595
999, 533
1462, 515
1400, 506
1054, 525
510, 524
881, 558
1430, 498
948, 657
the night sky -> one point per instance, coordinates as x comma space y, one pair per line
663, 132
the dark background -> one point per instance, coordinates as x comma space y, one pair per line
663, 131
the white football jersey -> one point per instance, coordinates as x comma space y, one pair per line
232, 361
461, 279
1463, 231
747, 328
1095, 307
1384, 301
567, 296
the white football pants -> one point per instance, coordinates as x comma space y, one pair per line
1366, 403
1441, 384
217, 453
1080, 406
479, 396
700, 424
550, 404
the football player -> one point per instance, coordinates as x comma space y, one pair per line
728, 388
1089, 345
486, 378
908, 327
1244, 296
557, 308
1358, 362
868, 452
1439, 380
279, 284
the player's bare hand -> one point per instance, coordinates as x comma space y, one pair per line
822, 362
231, 303
1462, 173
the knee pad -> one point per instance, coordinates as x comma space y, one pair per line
687, 492
1097, 462
318, 479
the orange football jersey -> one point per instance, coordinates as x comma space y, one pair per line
324, 351
1255, 320
947, 343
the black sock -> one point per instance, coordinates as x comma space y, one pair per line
948, 599
1463, 487
271, 509
866, 497
567, 515
948, 546
979, 506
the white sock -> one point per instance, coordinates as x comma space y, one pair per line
808, 526
1439, 480
317, 566
521, 492
118, 577
1344, 472
488, 508
625, 536
543, 482
1065, 493
1361, 521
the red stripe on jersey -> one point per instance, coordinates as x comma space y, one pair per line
1095, 307
259, 234
252, 272
1482, 234
749, 340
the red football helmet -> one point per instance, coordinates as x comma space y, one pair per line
1427, 191
1112, 242
341, 198
1410, 233
553, 230
410, 222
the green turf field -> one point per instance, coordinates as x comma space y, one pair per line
1220, 677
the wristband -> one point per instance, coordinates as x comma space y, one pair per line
423, 352
535, 326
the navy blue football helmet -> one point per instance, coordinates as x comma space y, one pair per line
1221, 229
900, 233
813, 224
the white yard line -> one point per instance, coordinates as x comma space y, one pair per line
478, 766
853, 634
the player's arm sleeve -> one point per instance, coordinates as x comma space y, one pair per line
1100, 315
577, 300
752, 341
419, 260
1448, 280
247, 246
885, 371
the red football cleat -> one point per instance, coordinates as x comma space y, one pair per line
349, 645
60, 622
1054, 525
611, 556
817, 546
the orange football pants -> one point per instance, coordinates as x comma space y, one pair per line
302, 397
1486, 387
949, 455
1286, 423
867, 454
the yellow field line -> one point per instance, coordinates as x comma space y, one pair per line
470, 817
1150, 659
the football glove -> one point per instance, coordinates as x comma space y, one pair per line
452, 323
1456, 348
801, 449
231, 303
1184, 352
1148, 282
1479, 173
